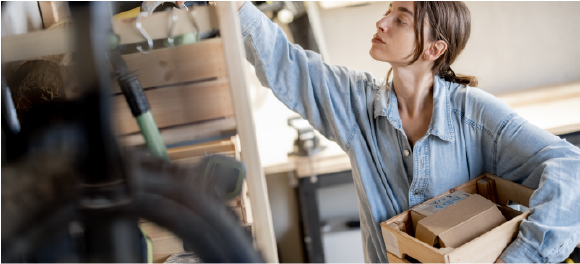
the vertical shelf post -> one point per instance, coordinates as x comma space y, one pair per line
235, 60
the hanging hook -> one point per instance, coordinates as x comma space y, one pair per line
145, 35
192, 19
173, 18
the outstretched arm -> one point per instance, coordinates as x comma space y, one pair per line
323, 94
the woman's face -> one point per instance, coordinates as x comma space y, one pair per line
394, 41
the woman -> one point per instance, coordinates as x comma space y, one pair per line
426, 131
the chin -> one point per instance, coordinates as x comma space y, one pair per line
376, 55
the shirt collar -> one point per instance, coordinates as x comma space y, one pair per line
385, 104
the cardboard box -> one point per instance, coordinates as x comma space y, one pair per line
428, 208
460, 222
401, 243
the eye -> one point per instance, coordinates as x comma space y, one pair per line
400, 21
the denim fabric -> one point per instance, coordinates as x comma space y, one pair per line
471, 132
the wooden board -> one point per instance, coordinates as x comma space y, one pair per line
231, 33
201, 149
37, 44
192, 62
48, 11
511, 191
178, 105
393, 259
164, 242
187, 132
60, 41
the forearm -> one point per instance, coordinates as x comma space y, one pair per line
539, 160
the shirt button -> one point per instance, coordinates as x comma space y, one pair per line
416, 192
406, 153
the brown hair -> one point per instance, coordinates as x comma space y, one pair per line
449, 22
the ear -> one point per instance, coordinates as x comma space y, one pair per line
435, 50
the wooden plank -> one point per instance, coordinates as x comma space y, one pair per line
511, 191
198, 159
192, 62
178, 105
489, 246
53, 11
237, 73
393, 259
37, 44
48, 11
486, 188
188, 132
157, 24
164, 242
408, 245
201, 149
60, 41
165, 247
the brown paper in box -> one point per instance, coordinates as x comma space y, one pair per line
460, 222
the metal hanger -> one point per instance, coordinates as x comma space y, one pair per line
144, 33
193, 21
173, 19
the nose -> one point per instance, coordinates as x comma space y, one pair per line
382, 25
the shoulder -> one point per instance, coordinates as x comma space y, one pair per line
479, 108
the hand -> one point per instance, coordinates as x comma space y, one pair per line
499, 261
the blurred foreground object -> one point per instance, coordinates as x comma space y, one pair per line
67, 188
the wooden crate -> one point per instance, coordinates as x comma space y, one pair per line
400, 242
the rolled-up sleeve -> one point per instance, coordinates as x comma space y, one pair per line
325, 95
533, 157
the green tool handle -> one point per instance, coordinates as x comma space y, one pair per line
152, 136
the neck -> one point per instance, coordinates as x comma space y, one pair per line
414, 88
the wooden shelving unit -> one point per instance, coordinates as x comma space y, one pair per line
199, 99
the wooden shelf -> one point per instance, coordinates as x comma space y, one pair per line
178, 105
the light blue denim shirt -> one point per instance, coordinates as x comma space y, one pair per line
471, 132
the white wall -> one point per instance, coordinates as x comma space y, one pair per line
513, 46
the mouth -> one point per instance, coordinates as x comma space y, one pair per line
376, 39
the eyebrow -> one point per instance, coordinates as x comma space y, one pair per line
403, 9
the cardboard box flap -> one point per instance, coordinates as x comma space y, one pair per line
465, 232
430, 227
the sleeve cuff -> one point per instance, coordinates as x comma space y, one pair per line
249, 15
520, 251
